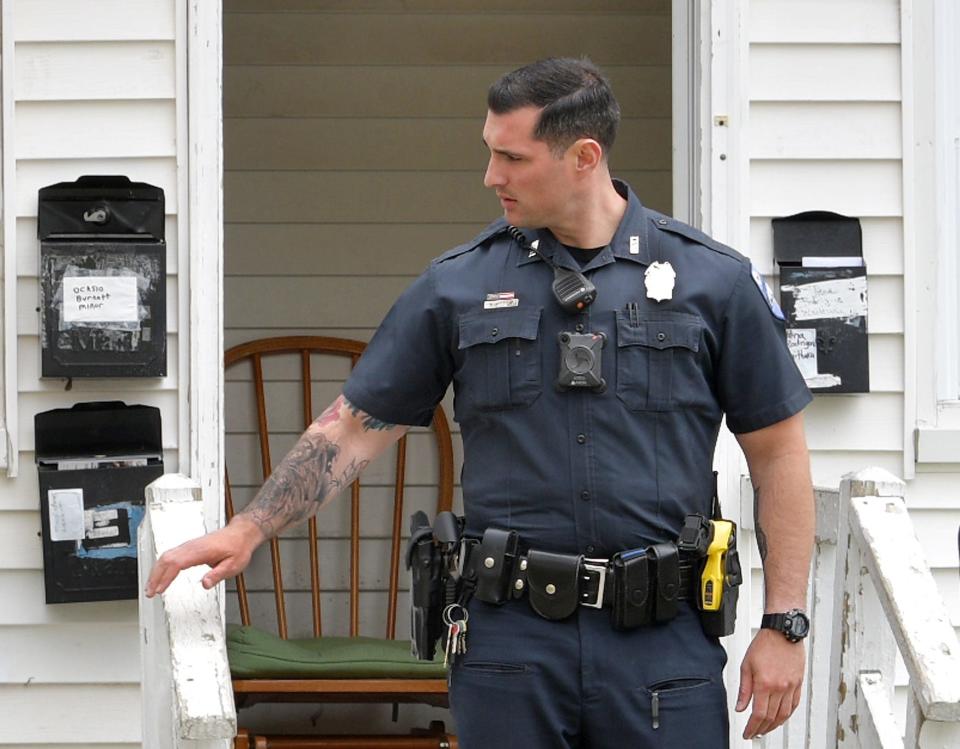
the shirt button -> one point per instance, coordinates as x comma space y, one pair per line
590, 549
495, 331
581, 438
579, 327
661, 337
585, 495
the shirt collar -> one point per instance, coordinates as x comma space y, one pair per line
632, 232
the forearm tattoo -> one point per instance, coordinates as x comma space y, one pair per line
761, 536
369, 422
307, 477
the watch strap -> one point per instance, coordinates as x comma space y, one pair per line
774, 621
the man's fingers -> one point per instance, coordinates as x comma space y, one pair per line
746, 688
761, 701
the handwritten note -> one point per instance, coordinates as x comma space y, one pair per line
802, 343
836, 298
66, 514
100, 299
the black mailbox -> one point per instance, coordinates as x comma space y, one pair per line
102, 279
823, 292
94, 461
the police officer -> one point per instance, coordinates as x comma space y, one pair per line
589, 424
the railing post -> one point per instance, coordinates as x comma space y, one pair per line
187, 696
862, 640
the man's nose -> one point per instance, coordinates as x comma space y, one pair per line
491, 177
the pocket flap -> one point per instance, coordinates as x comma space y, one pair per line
553, 583
490, 326
660, 330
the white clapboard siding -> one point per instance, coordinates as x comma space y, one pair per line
829, 465
824, 72
819, 21
28, 246
94, 130
25, 587
95, 20
84, 71
810, 130
94, 92
69, 713
69, 654
781, 187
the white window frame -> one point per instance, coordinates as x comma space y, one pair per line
9, 448
936, 175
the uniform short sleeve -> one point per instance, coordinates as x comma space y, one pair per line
407, 366
759, 383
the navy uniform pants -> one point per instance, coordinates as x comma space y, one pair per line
530, 683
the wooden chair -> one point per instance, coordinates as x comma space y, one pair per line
313, 682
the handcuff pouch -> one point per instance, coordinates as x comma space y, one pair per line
666, 559
631, 590
492, 563
553, 583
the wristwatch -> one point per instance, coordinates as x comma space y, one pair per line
794, 624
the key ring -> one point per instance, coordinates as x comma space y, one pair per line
449, 618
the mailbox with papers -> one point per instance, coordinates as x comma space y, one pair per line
823, 292
102, 279
94, 461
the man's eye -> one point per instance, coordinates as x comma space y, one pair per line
511, 157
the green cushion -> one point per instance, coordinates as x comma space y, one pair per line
255, 653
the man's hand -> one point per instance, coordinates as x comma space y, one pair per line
772, 675
227, 551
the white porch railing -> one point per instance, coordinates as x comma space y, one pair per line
872, 592
187, 693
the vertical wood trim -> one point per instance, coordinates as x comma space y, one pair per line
205, 281
397, 530
909, 247
686, 134
10, 385
181, 95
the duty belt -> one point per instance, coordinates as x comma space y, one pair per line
640, 586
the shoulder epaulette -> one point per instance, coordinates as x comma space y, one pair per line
666, 223
498, 226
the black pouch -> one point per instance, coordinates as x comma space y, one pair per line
560, 573
666, 560
492, 563
425, 589
631, 591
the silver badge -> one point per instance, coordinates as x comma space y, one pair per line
659, 279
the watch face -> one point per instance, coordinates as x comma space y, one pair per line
797, 625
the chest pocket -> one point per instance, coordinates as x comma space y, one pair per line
656, 359
501, 358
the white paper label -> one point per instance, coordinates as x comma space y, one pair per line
802, 343
66, 514
100, 299
837, 298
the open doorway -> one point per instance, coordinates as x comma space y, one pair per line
352, 156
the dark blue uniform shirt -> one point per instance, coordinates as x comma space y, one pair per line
578, 471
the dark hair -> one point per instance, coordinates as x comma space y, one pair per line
575, 97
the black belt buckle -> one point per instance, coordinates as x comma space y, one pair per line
593, 579
631, 589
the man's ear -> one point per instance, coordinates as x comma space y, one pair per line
588, 153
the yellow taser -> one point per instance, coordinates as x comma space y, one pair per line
715, 568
